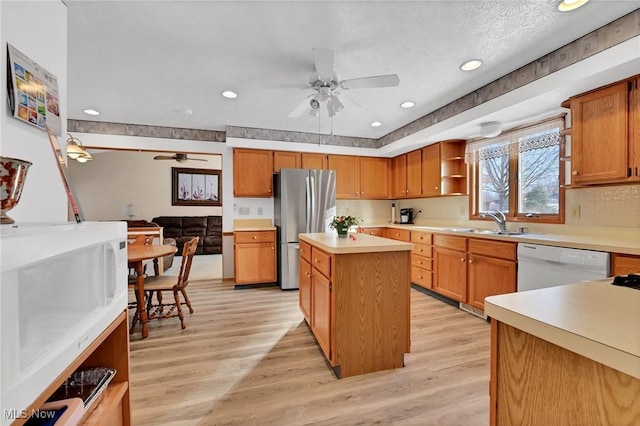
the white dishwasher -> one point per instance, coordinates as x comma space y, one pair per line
547, 266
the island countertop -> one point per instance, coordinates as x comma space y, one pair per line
329, 242
595, 319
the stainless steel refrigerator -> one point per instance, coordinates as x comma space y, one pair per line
305, 201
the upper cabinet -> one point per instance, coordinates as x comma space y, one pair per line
286, 160
431, 170
374, 178
407, 175
252, 173
360, 177
314, 161
605, 134
453, 167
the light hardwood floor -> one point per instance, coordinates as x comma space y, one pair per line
248, 358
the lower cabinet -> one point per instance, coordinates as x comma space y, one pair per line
450, 267
421, 259
624, 264
492, 270
254, 257
321, 311
469, 269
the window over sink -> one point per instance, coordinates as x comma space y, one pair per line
518, 173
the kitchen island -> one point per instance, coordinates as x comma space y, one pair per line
565, 355
355, 296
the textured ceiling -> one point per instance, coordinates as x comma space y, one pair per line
147, 62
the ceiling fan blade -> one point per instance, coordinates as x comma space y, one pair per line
390, 80
301, 108
164, 157
323, 59
350, 104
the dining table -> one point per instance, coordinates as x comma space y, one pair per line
136, 255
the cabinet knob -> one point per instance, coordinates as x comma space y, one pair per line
308, 274
436, 187
273, 248
420, 277
255, 237
470, 260
574, 173
317, 260
269, 190
421, 237
462, 259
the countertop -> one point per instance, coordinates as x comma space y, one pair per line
595, 319
329, 242
630, 245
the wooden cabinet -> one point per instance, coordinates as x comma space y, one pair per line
492, 270
453, 167
398, 234
431, 174
347, 169
407, 175
111, 350
286, 160
421, 259
376, 232
254, 257
360, 177
359, 307
314, 161
624, 264
374, 178
605, 134
450, 267
252, 173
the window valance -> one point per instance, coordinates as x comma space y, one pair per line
512, 143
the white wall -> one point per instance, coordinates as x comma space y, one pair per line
39, 30
115, 179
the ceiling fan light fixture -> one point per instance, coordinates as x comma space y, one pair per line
229, 94
490, 129
471, 65
75, 150
569, 5
407, 104
375, 124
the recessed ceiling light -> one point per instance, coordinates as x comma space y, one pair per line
229, 94
376, 124
569, 5
471, 65
408, 104
91, 112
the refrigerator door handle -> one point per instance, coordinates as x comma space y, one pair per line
312, 206
308, 204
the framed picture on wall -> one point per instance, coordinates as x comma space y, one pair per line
196, 187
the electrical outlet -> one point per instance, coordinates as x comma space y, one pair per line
260, 211
575, 212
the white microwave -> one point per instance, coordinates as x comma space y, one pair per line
61, 285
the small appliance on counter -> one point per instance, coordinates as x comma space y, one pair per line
406, 216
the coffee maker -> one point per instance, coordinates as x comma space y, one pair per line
406, 216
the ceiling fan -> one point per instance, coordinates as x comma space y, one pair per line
327, 84
180, 158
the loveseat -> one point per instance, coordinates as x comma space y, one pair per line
183, 228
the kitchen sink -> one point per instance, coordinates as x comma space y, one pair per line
484, 231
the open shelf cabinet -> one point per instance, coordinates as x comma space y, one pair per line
453, 167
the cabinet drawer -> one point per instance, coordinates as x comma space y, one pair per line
450, 242
398, 234
305, 251
422, 250
421, 262
499, 249
421, 237
321, 261
421, 277
376, 232
624, 264
254, 237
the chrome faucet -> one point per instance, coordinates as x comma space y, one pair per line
498, 218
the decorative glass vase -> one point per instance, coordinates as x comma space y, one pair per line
13, 173
342, 231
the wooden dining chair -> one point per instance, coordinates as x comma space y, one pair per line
176, 284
